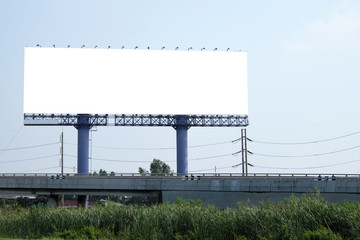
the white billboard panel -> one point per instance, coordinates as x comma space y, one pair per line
119, 81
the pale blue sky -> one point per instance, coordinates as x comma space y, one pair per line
303, 74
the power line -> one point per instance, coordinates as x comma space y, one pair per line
115, 160
11, 140
70, 167
209, 169
259, 166
159, 148
29, 159
309, 155
323, 166
142, 161
308, 142
213, 144
226, 142
227, 167
125, 148
112, 160
217, 156
40, 169
27, 147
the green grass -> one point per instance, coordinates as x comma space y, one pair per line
294, 218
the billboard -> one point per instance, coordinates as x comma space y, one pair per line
123, 81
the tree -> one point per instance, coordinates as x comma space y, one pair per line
143, 170
157, 167
102, 172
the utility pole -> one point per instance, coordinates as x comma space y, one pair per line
246, 152
244, 161
62, 163
242, 152
62, 153
94, 129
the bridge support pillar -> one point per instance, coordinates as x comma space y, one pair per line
83, 201
53, 201
182, 145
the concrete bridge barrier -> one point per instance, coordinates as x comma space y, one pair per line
221, 190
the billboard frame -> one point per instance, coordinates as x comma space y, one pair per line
181, 121
135, 120
135, 82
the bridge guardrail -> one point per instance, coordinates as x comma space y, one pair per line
191, 176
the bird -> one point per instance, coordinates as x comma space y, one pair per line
189, 48
68, 46
136, 47
148, 47
38, 45
122, 47
96, 46
203, 49
54, 45
162, 48
215, 49
228, 49
109, 47
82, 46
176, 48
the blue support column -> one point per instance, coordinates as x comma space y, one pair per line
182, 145
182, 150
83, 126
83, 149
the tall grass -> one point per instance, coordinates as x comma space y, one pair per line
294, 218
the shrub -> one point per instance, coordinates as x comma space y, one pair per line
321, 234
87, 232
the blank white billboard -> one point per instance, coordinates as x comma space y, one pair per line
119, 81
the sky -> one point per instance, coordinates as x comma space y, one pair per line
303, 82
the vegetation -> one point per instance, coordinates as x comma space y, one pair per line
24, 202
103, 173
309, 217
126, 200
157, 167
139, 200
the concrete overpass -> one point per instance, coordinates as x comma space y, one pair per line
221, 190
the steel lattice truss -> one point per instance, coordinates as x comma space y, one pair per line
136, 120
175, 120
65, 119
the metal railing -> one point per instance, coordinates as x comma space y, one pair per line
177, 175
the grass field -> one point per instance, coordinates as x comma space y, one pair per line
294, 218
